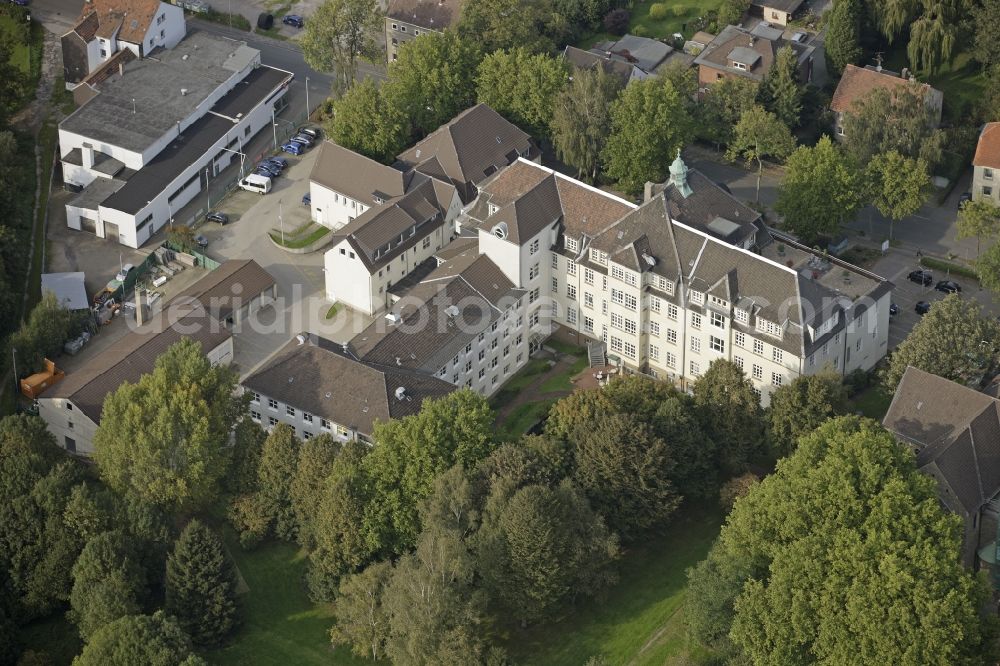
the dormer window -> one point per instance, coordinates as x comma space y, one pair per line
378, 200
491, 209
739, 65
697, 298
572, 244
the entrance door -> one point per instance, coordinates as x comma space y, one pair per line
111, 231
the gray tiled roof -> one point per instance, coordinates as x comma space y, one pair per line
581, 59
359, 177
955, 431
134, 355
471, 147
234, 281
735, 42
706, 202
319, 377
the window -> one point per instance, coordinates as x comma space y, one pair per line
588, 324
495, 343
775, 379
776, 355
571, 267
70, 444
271, 421
69, 406
482, 354
272, 403
671, 336
695, 368
571, 244
571, 315
555, 285
987, 191
654, 328
671, 311
588, 276
630, 349
840, 130
427, 242
506, 351
696, 344
290, 410
324, 424
395, 26
631, 326
571, 291
857, 347
622, 298
697, 297
69, 424
533, 248
718, 320
255, 416
738, 360
654, 353
616, 344
696, 321
739, 65
588, 299
667, 286
670, 360
254, 397
988, 174
494, 362
743, 317
533, 272
740, 339
308, 418
617, 320
717, 344
758, 347
555, 261
758, 372
654, 304
533, 295
482, 372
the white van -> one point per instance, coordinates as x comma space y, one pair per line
256, 183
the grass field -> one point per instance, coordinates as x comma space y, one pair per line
640, 620
962, 80
682, 13
281, 627
873, 402
11, 32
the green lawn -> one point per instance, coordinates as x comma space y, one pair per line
639, 621
679, 19
281, 627
873, 402
11, 32
961, 81
55, 636
523, 417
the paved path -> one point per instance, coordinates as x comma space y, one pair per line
532, 392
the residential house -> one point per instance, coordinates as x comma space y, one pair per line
954, 431
858, 82
629, 59
405, 20
986, 165
320, 387
667, 295
109, 27
775, 12
156, 130
749, 54
209, 312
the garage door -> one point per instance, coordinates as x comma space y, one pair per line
88, 225
111, 231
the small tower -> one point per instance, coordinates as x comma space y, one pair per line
678, 176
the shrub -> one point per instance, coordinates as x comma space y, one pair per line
616, 21
949, 268
249, 519
640, 31
857, 381
735, 488
680, 10
658, 11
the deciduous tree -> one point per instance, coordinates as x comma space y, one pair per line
522, 87
278, 464
508, 24
731, 12
988, 267
822, 189
108, 583
798, 408
986, 46
721, 109
43, 335
581, 120
364, 121
978, 219
843, 35
164, 440
315, 462
780, 92
649, 124
201, 585
361, 620
897, 185
730, 413
339, 32
972, 347
758, 135
900, 120
934, 34
155, 640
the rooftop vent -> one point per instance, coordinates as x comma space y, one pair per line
184, 57
400, 393
451, 310
291, 379
499, 140
399, 361
392, 317
184, 91
648, 259
301, 339
328, 394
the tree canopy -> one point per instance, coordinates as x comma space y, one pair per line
954, 340
731, 414
339, 32
898, 185
581, 120
821, 190
364, 121
979, 219
843, 35
718, 113
522, 87
153, 640
42, 336
649, 124
800, 407
791, 582
899, 120
780, 92
164, 439
760, 134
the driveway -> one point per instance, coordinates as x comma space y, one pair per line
301, 305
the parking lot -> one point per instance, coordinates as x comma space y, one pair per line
895, 266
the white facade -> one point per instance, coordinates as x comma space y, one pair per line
333, 209
166, 30
269, 412
986, 184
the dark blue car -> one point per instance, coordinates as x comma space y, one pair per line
293, 148
281, 162
293, 20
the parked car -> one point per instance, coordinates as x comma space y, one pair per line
293, 20
307, 199
893, 309
308, 131
124, 272
921, 277
281, 162
267, 170
293, 148
966, 196
800, 37
19, 3
303, 139
216, 216
922, 308
949, 287
201, 241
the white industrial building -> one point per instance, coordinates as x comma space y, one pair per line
159, 129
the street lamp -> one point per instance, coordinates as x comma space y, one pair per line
208, 193
308, 109
281, 223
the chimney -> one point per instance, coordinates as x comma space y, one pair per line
121, 69
138, 307
905, 74
87, 152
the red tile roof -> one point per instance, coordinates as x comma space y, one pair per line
133, 16
857, 82
988, 149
